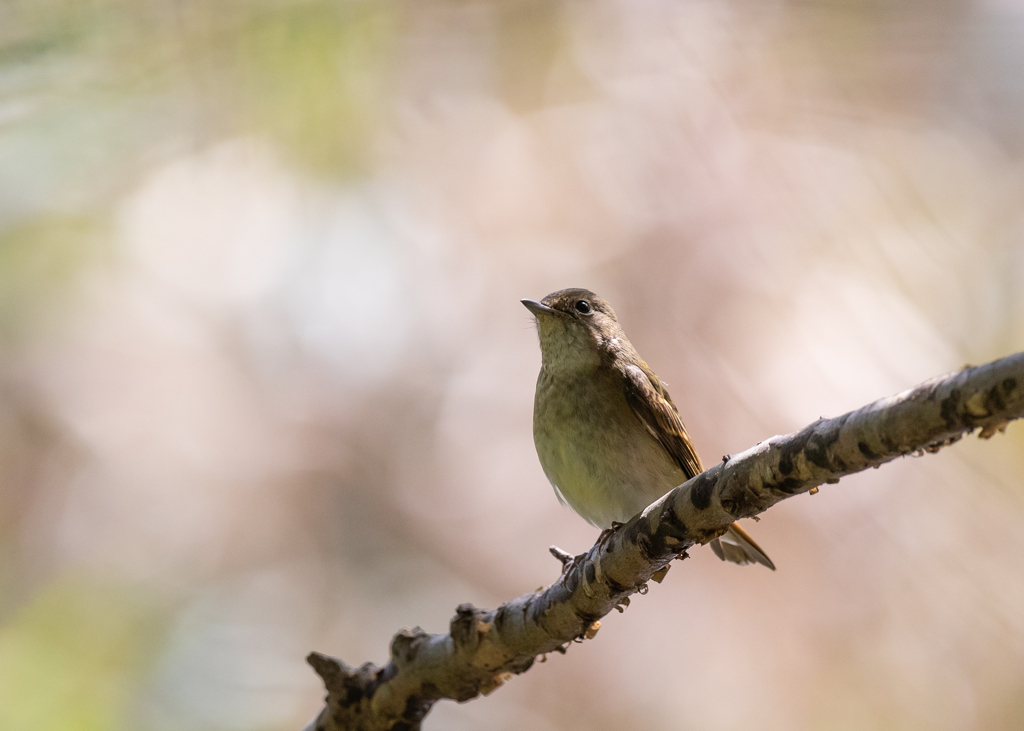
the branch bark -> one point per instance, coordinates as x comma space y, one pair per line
483, 648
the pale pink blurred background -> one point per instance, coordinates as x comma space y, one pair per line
266, 384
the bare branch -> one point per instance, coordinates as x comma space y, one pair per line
485, 647
561, 555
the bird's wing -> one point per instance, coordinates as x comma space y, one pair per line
654, 408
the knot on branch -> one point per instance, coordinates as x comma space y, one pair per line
406, 644
330, 669
467, 625
561, 555
346, 686
964, 409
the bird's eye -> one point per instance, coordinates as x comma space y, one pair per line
583, 307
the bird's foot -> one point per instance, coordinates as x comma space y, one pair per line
607, 532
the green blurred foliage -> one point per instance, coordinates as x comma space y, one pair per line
91, 90
70, 660
39, 260
312, 77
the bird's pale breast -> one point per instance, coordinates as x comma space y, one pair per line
600, 458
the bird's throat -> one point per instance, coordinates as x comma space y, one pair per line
568, 347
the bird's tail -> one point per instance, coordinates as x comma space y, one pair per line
738, 547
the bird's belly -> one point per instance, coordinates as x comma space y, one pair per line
601, 460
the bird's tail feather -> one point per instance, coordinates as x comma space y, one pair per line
738, 547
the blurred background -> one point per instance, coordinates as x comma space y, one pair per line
266, 385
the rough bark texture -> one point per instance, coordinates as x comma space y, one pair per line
485, 647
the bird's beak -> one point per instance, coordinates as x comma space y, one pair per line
537, 308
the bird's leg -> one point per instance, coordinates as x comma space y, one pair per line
607, 532
569, 561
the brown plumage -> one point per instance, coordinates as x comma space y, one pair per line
607, 433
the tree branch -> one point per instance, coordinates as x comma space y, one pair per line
485, 647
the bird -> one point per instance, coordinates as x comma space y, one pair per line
607, 433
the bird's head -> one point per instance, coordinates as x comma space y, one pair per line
577, 329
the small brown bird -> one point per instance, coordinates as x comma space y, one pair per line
608, 436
